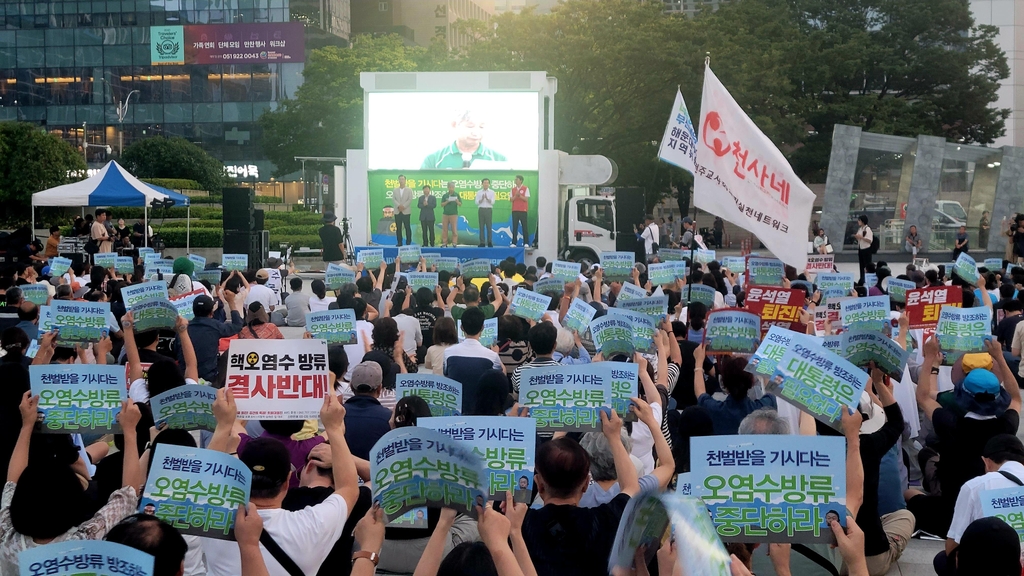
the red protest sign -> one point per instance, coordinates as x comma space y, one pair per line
776, 307
923, 304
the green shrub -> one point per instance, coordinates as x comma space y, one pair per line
131, 214
206, 199
267, 199
309, 241
291, 218
174, 183
303, 230
200, 238
183, 224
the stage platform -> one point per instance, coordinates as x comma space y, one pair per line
463, 253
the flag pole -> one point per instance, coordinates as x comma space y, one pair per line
693, 198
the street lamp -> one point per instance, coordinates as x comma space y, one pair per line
122, 112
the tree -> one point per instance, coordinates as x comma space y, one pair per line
32, 160
326, 116
161, 157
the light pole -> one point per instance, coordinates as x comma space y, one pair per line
122, 112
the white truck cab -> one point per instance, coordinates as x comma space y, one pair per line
604, 222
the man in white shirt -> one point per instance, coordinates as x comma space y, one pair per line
650, 236
1004, 466
307, 536
402, 197
259, 292
485, 211
467, 360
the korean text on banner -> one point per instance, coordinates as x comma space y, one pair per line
617, 266
861, 347
232, 262
476, 268
700, 293
898, 289
735, 264
195, 490
278, 379
1007, 504
732, 331
419, 280
742, 177
124, 265
821, 263
870, 311
529, 305
671, 255
184, 303
35, 293
336, 275
505, 445
137, 293
662, 273
565, 271
993, 264
79, 322
829, 279
188, 407
643, 327
776, 306
702, 256
370, 257
773, 347
154, 315
764, 271
211, 276
630, 291
79, 398
679, 143
964, 330
59, 265
334, 326
817, 381
198, 261
797, 482
429, 259
409, 254
923, 304
578, 316
489, 335
92, 557
654, 306
443, 395
612, 336
104, 259
447, 264
567, 398
966, 268
412, 467
549, 286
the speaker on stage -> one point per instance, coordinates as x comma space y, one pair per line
237, 242
238, 210
257, 220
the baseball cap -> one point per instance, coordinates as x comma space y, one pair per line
269, 461
1003, 447
874, 416
202, 306
367, 376
687, 220
262, 274
988, 546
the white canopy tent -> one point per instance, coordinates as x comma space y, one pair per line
112, 186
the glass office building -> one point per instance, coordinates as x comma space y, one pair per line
204, 70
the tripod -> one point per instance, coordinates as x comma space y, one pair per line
350, 249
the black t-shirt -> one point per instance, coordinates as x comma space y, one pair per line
565, 540
427, 318
961, 441
339, 561
330, 237
1004, 330
872, 448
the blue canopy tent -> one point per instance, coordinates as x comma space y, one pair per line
113, 186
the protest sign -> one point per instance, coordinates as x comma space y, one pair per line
79, 322
773, 347
832, 343
684, 484
370, 257
617, 266
411, 467
731, 331
59, 266
664, 273
993, 264
212, 276
1007, 504
529, 305
149, 257
735, 264
232, 262
565, 271
333, 326
820, 263
104, 259
818, 382
154, 315
771, 488
963, 330
578, 316
625, 386
278, 379
871, 312
158, 267
489, 335
443, 395
188, 407
476, 268
79, 398
549, 286
702, 256
672, 254
776, 306
447, 264
861, 347
195, 490
830, 279
643, 327
654, 306
35, 293
870, 279
567, 398
966, 268
679, 142
613, 335
644, 523
506, 447
336, 275
183, 303
409, 254
765, 271
198, 261
430, 260
124, 265
630, 291
419, 280
898, 289
145, 250
137, 293
700, 293
923, 304
84, 558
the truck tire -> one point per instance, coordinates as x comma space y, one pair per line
584, 257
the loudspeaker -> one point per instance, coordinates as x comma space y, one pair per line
238, 242
238, 209
257, 220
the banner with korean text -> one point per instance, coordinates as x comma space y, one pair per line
776, 306
567, 398
924, 304
699, 293
617, 266
732, 331
1007, 504
333, 326
818, 381
963, 330
443, 395
78, 322
529, 305
278, 379
188, 407
613, 335
861, 347
764, 271
84, 558
79, 398
679, 142
643, 327
898, 289
630, 291
578, 316
821, 263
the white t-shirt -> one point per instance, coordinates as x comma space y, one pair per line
139, 391
643, 441
968, 503
306, 536
355, 352
866, 237
650, 236
413, 334
317, 304
263, 295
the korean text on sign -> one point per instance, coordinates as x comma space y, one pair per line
1007, 504
819, 382
566, 398
476, 268
79, 322
773, 347
964, 330
630, 291
924, 304
336, 275
613, 335
529, 305
370, 257
79, 398
643, 327
700, 293
730, 331
654, 306
662, 273
278, 379
579, 315
188, 407
776, 306
617, 266
334, 326
863, 347
765, 271
443, 395
91, 557
233, 262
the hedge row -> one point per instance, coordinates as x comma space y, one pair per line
214, 238
183, 224
174, 183
131, 214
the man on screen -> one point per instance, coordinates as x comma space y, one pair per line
402, 197
520, 196
467, 148
485, 211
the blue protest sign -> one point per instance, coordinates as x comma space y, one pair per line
79, 322
35, 293
630, 291
662, 273
898, 289
154, 315
232, 262
702, 256
624, 377
84, 558
565, 271
506, 447
765, 271
549, 286
654, 306
732, 331
489, 335
448, 264
735, 264
137, 293
964, 330
145, 250
830, 279
419, 280
336, 275
578, 316
874, 310
334, 326
79, 398
411, 467
567, 398
817, 381
212, 276
188, 407
700, 293
195, 490
370, 257
59, 266
643, 327
149, 257
442, 394
476, 268
966, 268
861, 347
993, 264
198, 261
183, 303
617, 266
409, 254
1007, 504
613, 335
772, 348
429, 259
104, 259
529, 305
124, 265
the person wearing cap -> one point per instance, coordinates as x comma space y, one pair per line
991, 406
331, 240
365, 419
1004, 468
989, 546
307, 536
181, 282
686, 238
260, 292
206, 332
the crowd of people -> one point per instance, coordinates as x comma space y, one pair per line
912, 466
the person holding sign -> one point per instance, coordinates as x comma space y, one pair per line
163, 373
737, 382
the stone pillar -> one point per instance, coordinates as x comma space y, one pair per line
842, 168
924, 185
1009, 197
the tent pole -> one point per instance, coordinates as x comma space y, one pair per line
188, 229
33, 219
145, 225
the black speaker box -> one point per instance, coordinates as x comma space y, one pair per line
257, 220
238, 209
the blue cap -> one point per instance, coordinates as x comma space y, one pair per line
981, 381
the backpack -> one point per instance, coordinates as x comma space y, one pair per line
874, 244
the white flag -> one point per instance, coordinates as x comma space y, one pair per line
679, 143
743, 178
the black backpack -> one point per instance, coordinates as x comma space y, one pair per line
874, 244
